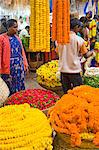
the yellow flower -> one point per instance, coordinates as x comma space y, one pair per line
46, 74
20, 129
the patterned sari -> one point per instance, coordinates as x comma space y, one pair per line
15, 80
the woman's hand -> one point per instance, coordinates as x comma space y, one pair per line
27, 68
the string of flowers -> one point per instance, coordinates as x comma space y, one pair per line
39, 26
22, 127
61, 21
77, 114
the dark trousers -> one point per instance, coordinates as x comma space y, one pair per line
70, 80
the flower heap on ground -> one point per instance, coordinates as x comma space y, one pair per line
91, 77
77, 114
37, 98
24, 128
46, 74
40, 26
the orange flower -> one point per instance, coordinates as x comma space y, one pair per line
77, 112
61, 21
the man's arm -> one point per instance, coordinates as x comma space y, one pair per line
86, 53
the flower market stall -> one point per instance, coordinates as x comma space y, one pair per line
29, 118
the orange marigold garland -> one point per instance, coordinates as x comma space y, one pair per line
76, 114
61, 21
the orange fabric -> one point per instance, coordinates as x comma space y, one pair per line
5, 54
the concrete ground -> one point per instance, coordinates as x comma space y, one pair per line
30, 82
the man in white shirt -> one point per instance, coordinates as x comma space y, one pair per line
69, 60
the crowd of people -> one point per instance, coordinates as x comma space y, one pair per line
83, 36
84, 33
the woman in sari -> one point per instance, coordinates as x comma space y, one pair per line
13, 62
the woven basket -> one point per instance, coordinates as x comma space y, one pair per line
62, 142
58, 90
4, 92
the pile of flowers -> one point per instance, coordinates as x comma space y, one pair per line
46, 74
37, 98
24, 128
77, 114
92, 71
91, 77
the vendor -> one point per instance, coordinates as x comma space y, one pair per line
69, 60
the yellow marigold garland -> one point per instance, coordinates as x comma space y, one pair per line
22, 127
39, 26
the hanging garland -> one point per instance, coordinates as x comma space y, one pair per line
39, 26
61, 21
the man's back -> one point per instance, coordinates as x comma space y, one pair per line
69, 61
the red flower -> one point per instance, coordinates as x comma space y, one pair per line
37, 98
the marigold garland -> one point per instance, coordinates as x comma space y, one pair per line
61, 21
22, 128
39, 26
77, 114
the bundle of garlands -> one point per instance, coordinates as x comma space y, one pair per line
37, 98
24, 128
39, 26
77, 114
61, 21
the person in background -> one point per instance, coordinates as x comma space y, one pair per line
89, 16
81, 30
69, 58
85, 28
25, 32
21, 24
25, 36
3, 27
12, 58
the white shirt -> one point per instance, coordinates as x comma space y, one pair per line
69, 60
24, 32
22, 26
